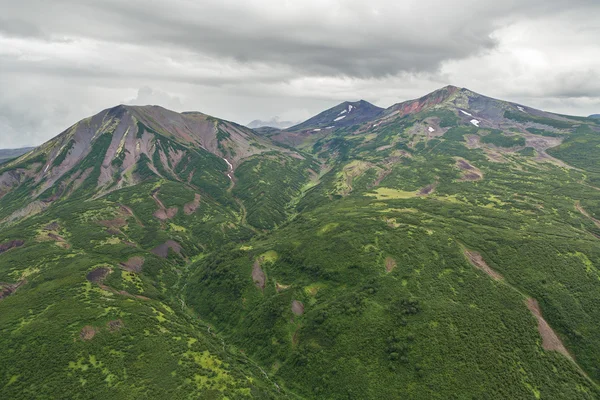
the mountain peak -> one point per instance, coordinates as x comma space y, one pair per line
122, 145
344, 114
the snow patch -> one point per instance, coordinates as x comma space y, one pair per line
230, 169
350, 107
343, 112
475, 122
466, 113
431, 129
46, 169
330, 127
317, 130
521, 108
376, 125
338, 118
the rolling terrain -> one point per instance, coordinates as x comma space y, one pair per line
444, 247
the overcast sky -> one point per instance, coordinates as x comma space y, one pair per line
64, 60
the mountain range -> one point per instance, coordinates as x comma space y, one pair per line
274, 122
443, 247
9, 154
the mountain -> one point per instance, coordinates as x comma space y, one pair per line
444, 247
124, 146
274, 122
594, 116
8, 154
342, 115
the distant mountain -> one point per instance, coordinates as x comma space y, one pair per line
8, 154
343, 115
441, 109
267, 130
274, 122
594, 116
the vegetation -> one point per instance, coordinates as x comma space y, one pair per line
526, 117
343, 272
498, 138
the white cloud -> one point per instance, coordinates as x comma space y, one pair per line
73, 58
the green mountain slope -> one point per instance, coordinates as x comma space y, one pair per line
107, 217
446, 247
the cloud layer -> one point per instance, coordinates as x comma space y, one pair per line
66, 59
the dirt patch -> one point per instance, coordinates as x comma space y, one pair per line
464, 165
381, 148
473, 141
60, 241
470, 173
6, 289
134, 264
494, 155
541, 144
479, 263
98, 275
427, 190
163, 249
50, 233
258, 275
191, 208
160, 214
297, 307
390, 264
115, 325
550, 341
116, 223
126, 210
163, 213
87, 333
166, 213
381, 176
470, 176
53, 226
11, 245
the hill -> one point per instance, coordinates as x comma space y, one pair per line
444, 247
